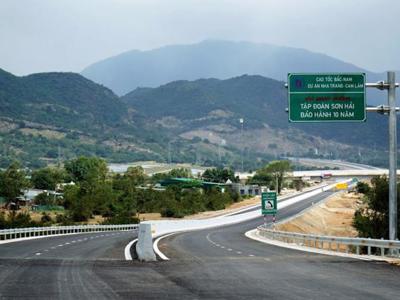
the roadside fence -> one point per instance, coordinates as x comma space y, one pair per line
359, 246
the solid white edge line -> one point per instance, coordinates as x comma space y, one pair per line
127, 250
42, 237
155, 246
252, 234
163, 257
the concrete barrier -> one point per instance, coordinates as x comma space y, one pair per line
144, 246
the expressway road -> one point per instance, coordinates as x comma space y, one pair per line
65, 267
222, 263
333, 163
219, 263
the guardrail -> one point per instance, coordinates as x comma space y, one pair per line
16, 233
357, 246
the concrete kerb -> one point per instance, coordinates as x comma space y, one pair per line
253, 234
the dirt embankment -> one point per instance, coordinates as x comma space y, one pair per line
332, 217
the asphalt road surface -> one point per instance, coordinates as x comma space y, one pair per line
218, 263
222, 263
64, 267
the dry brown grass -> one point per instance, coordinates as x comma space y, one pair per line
332, 217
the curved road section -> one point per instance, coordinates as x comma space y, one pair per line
221, 263
215, 263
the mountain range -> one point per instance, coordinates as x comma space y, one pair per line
50, 116
167, 113
216, 59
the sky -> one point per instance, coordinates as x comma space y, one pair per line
68, 35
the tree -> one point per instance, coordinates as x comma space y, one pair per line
179, 173
219, 175
262, 178
135, 176
362, 187
174, 173
13, 182
277, 169
47, 178
44, 199
87, 169
298, 184
77, 203
372, 219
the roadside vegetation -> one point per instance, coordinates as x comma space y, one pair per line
89, 190
272, 175
372, 218
83, 190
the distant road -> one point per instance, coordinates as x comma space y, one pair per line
334, 163
321, 163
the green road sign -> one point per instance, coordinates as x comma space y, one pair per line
269, 204
327, 97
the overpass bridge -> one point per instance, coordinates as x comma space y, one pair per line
340, 173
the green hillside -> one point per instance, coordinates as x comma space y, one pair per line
49, 117
42, 113
213, 107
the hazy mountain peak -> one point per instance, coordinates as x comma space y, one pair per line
208, 59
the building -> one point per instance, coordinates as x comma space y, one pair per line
246, 189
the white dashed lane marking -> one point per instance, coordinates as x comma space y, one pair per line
77, 241
223, 247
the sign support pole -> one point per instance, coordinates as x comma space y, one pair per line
392, 156
273, 222
303, 86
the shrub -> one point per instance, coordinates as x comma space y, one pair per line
46, 218
362, 187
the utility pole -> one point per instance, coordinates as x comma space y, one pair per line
241, 120
58, 156
169, 152
219, 153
